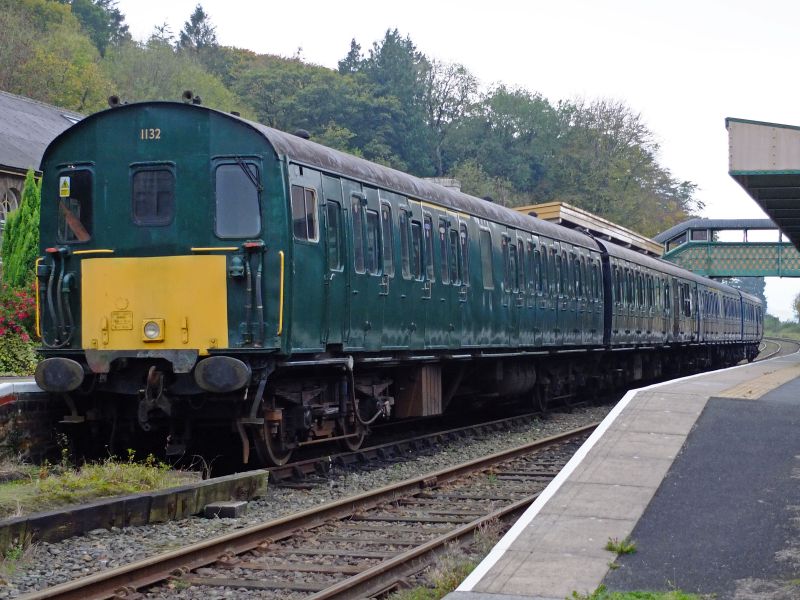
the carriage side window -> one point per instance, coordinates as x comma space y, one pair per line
372, 255
153, 196
75, 206
558, 277
464, 237
454, 258
304, 213
334, 232
687, 300
387, 236
430, 272
358, 235
521, 266
443, 258
513, 269
576, 272
486, 260
416, 250
535, 258
405, 250
238, 214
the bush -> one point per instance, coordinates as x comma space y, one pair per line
17, 312
21, 236
17, 356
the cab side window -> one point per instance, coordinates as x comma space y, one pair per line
75, 206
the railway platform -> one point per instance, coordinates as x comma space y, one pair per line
701, 473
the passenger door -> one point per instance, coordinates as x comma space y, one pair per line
335, 281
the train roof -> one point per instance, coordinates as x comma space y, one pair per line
312, 154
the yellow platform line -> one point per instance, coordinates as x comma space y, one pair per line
758, 387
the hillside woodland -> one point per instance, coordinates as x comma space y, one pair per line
388, 102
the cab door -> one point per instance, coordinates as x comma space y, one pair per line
410, 289
307, 261
393, 335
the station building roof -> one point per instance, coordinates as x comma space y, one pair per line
765, 161
577, 218
26, 128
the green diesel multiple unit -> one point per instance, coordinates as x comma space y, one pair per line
200, 270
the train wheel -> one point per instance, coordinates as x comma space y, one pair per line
270, 447
355, 433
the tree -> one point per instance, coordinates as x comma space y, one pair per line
796, 307
450, 91
396, 69
156, 71
352, 62
197, 32
102, 21
21, 237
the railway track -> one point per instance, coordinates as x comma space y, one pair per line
317, 469
772, 347
353, 548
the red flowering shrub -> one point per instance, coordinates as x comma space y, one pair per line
18, 312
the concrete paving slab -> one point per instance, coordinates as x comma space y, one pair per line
598, 500
567, 534
639, 443
675, 402
652, 421
624, 470
550, 575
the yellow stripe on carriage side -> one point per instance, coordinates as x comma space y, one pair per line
280, 308
97, 251
36, 283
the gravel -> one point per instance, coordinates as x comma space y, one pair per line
47, 564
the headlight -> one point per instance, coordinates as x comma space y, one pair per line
153, 330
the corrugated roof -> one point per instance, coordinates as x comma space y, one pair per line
27, 127
714, 224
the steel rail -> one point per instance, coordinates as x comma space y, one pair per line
308, 466
149, 571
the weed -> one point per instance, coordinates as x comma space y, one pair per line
491, 478
626, 546
613, 566
601, 593
17, 553
449, 571
486, 536
50, 485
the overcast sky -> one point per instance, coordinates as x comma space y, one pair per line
685, 65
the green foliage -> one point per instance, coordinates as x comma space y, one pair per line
56, 485
21, 237
393, 105
626, 546
445, 577
774, 327
602, 593
156, 71
17, 357
102, 21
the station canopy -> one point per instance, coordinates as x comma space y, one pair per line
765, 161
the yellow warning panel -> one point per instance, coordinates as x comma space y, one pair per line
184, 296
63, 187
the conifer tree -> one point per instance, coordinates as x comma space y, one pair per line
21, 236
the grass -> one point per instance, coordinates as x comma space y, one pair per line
48, 486
602, 593
626, 546
453, 566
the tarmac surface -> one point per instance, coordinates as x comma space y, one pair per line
703, 473
728, 512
